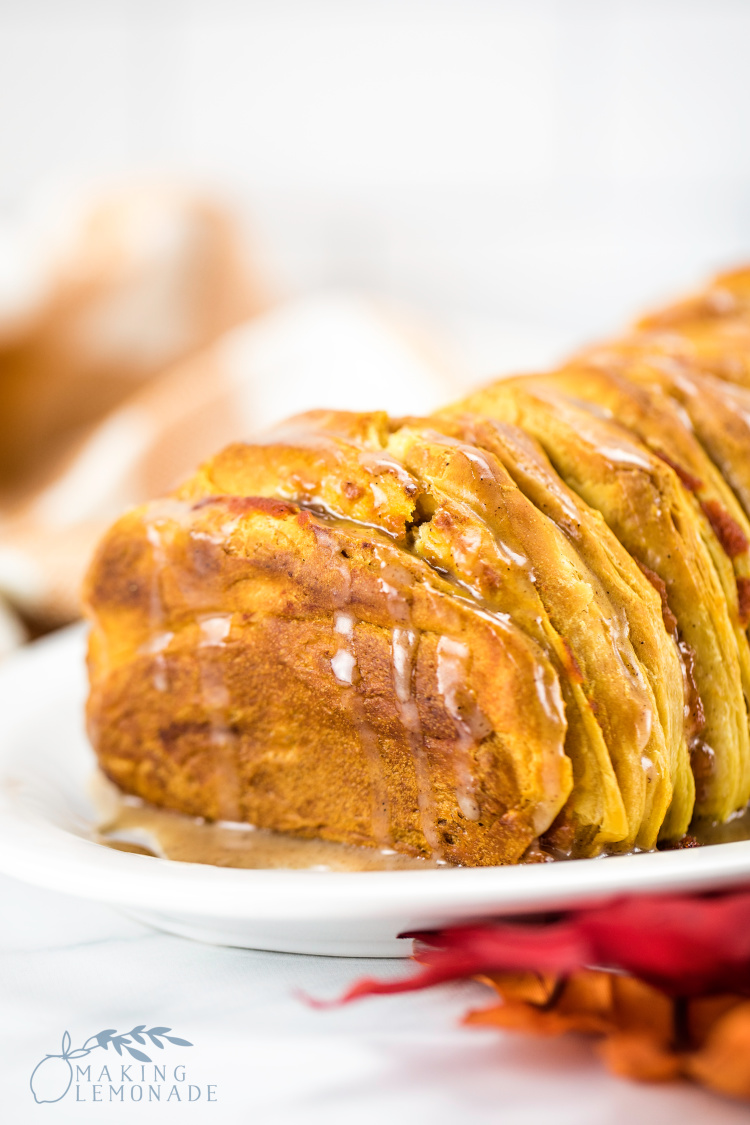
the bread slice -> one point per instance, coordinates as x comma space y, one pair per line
633, 613
252, 659
643, 501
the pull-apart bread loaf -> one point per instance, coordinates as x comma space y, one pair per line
520, 622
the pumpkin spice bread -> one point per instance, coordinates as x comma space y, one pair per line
516, 629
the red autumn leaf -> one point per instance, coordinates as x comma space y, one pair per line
685, 945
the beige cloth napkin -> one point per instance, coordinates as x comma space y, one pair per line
98, 296
117, 423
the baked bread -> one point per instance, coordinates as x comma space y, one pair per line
711, 329
651, 512
256, 661
523, 619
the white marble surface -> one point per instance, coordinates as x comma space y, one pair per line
69, 965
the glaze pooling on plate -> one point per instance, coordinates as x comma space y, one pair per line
128, 824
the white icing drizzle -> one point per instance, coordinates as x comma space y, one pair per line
214, 632
344, 623
532, 463
452, 660
378, 494
156, 644
548, 694
344, 662
156, 606
215, 694
721, 301
595, 408
346, 672
215, 629
324, 538
159, 512
621, 452
675, 369
404, 644
619, 455
648, 768
683, 415
379, 462
380, 803
398, 607
394, 572
479, 460
216, 699
621, 646
344, 665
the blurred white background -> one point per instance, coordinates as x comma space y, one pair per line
552, 165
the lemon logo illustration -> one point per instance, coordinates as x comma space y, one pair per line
52, 1077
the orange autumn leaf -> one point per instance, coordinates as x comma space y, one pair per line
640, 1056
705, 1011
519, 1016
723, 1063
646, 1035
641, 1009
589, 1002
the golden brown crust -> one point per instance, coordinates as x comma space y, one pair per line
709, 330
717, 412
262, 663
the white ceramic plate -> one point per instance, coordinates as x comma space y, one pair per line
46, 818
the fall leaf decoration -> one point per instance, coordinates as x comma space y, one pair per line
646, 1035
669, 996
